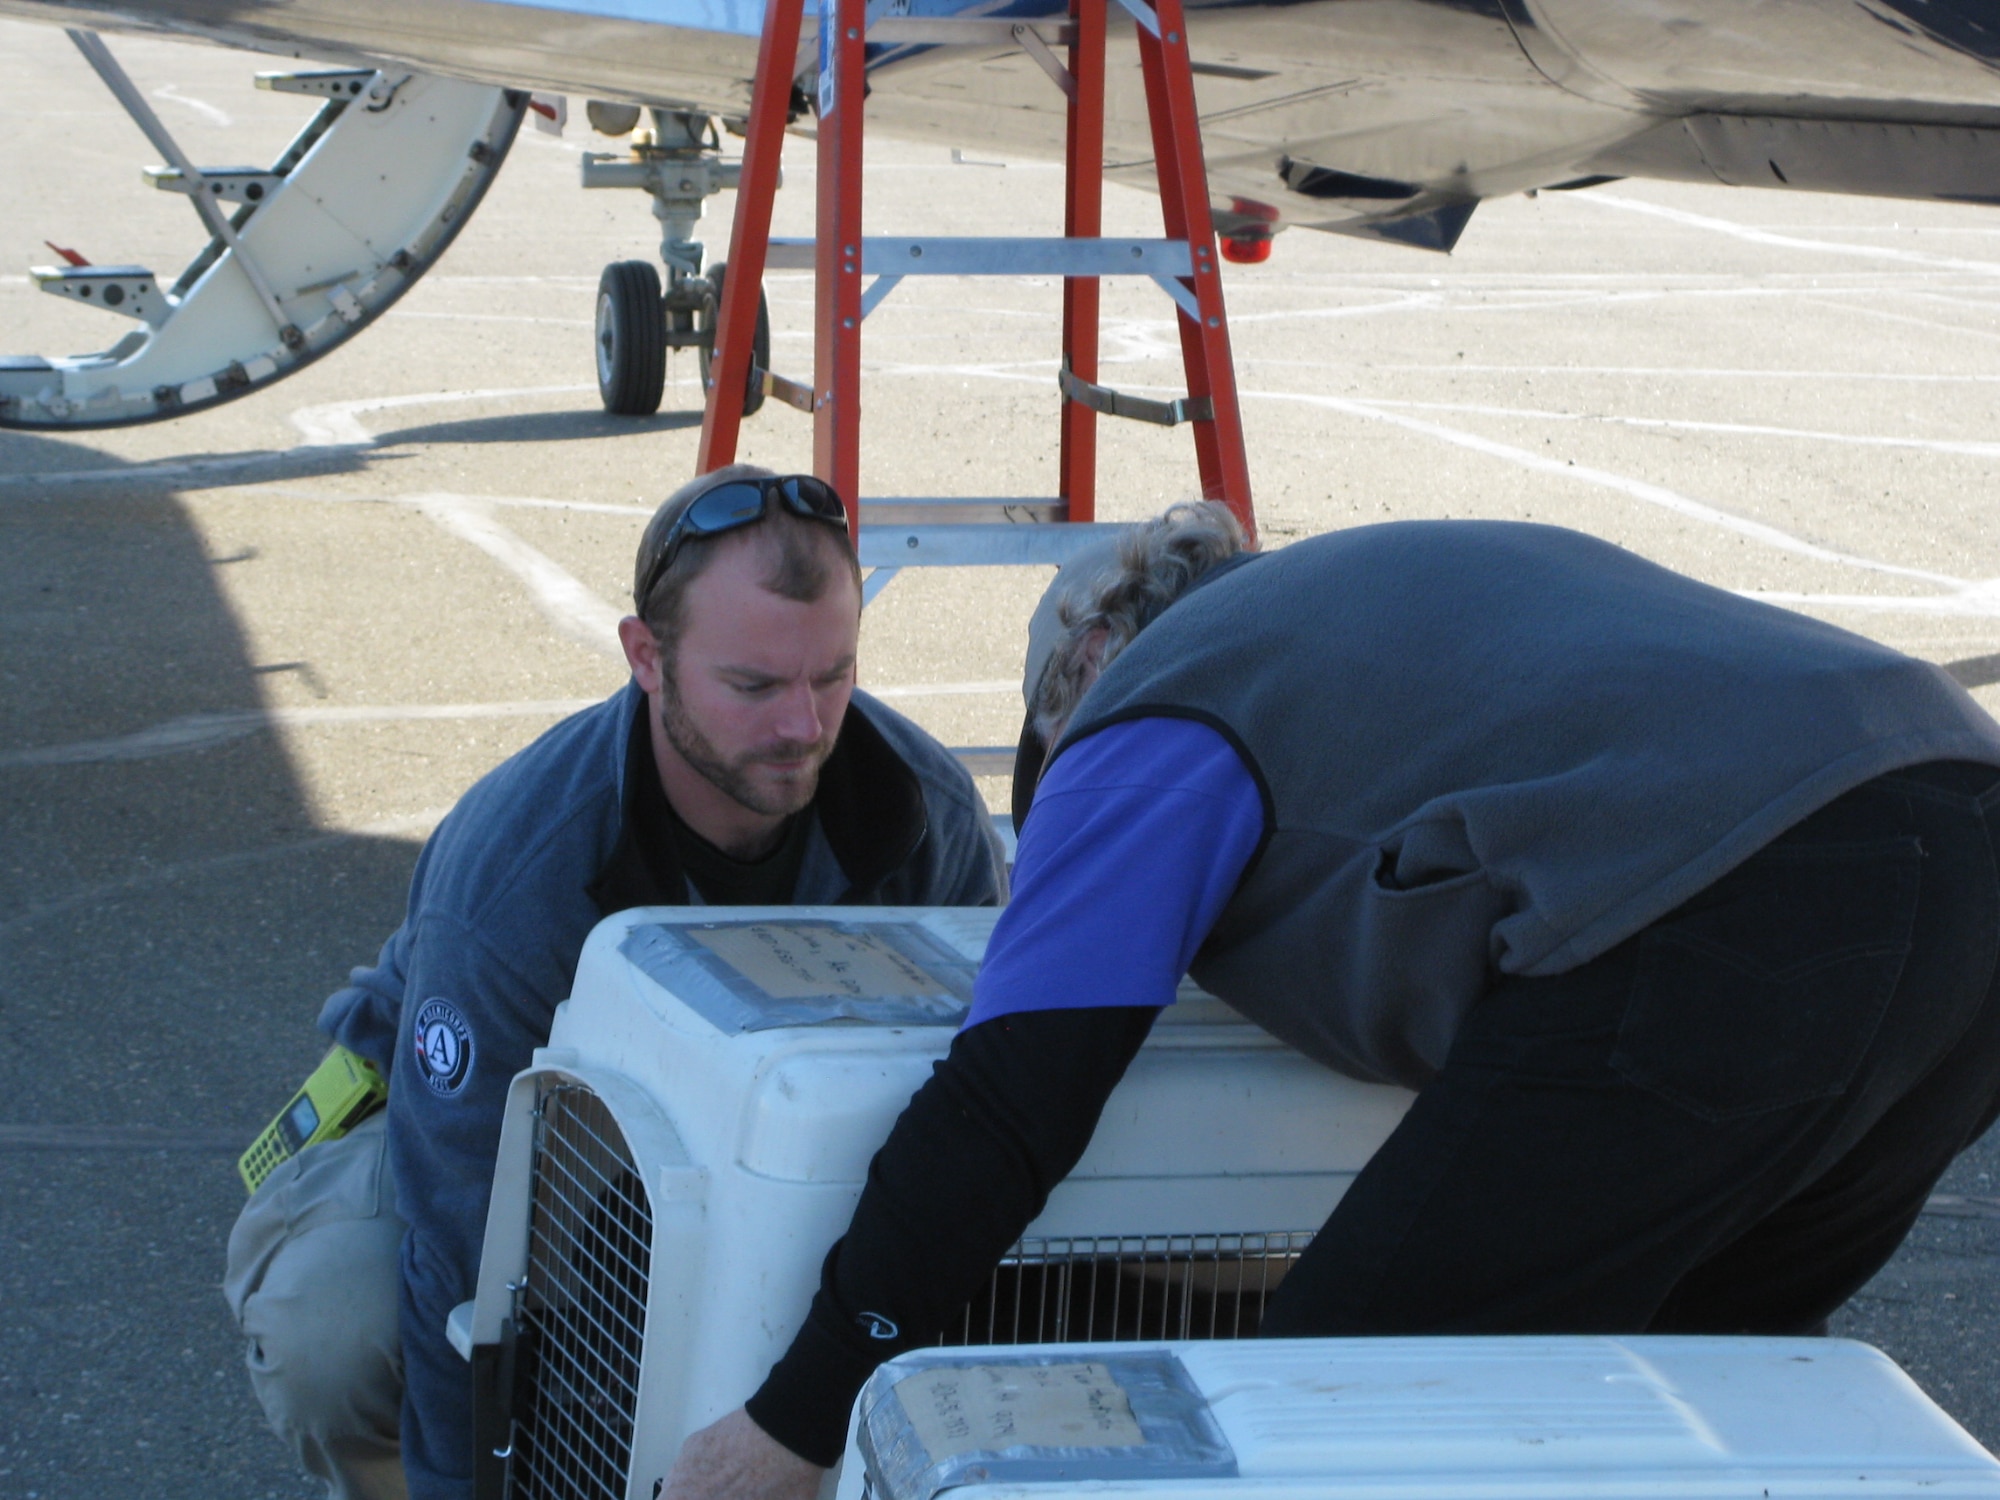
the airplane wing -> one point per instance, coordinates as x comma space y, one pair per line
1387, 118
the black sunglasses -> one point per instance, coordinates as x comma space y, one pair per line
740, 503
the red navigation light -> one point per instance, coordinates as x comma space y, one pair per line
1246, 249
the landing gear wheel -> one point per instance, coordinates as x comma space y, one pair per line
631, 339
760, 342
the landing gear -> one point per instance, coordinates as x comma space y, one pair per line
631, 339
678, 162
760, 341
637, 325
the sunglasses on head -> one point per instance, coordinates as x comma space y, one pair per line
740, 503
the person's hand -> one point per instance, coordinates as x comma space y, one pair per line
735, 1459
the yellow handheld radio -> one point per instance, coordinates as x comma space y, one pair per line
342, 1092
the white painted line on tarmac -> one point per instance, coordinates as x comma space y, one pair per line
1976, 601
1464, 278
1636, 489
404, 826
324, 430
1967, 599
1465, 301
588, 507
170, 469
562, 598
200, 106
1411, 302
947, 689
1984, 297
582, 283
1912, 230
1789, 241
194, 732
1956, 328
337, 424
482, 317
1157, 336
1689, 372
200, 731
280, 490
1673, 424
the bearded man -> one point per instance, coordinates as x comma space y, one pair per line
739, 767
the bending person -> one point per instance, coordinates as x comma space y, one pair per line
1679, 911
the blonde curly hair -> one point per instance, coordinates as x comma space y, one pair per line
1158, 562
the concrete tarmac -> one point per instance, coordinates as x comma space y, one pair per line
250, 657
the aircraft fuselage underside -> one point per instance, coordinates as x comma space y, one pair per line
1388, 118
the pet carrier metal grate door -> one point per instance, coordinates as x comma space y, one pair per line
580, 1311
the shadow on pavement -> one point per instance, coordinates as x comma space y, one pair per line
168, 928
542, 427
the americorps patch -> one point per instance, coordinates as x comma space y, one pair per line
444, 1046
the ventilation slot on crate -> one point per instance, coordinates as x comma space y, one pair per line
1124, 1287
581, 1311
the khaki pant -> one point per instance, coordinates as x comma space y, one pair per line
313, 1279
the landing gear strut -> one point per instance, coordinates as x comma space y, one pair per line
679, 164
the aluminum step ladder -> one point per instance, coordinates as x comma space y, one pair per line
894, 533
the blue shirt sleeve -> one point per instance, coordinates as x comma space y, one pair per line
1137, 839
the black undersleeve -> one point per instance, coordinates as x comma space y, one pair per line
969, 1165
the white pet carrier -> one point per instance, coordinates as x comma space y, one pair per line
1411, 1419
679, 1157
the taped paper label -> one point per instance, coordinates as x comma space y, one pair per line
962, 1409
756, 974
791, 962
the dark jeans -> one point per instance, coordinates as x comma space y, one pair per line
1726, 1124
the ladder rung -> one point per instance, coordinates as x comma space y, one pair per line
87, 275
986, 760
129, 291
324, 83
958, 512
962, 31
970, 255
974, 545
961, 255
1101, 398
231, 184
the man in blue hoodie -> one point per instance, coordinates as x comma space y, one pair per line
739, 767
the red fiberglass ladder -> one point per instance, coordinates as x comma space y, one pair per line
900, 533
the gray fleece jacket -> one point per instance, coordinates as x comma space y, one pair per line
1486, 746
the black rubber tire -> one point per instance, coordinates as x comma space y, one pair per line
760, 342
631, 339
